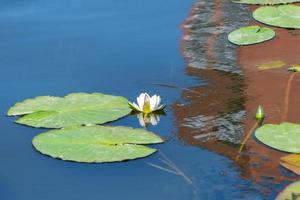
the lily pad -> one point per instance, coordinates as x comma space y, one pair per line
291, 192
293, 159
96, 143
285, 16
290, 167
271, 65
291, 162
250, 35
265, 2
284, 137
73, 109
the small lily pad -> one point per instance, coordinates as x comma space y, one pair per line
271, 65
284, 137
96, 143
250, 35
291, 192
71, 110
265, 2
285, 16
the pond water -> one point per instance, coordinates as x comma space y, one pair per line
125, 48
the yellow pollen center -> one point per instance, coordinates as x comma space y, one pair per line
146, 106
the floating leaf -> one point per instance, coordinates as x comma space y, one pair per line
293, 159
271, 65
284, 137
96, 143
291, 192
285, 16
291, 162
74, 109
265, 2
294, 68
292, 168
251, 35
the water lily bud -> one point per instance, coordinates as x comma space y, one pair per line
260, 114
294, 68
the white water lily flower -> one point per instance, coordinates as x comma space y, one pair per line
145, 120
147, 104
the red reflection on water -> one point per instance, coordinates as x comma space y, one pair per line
276, 90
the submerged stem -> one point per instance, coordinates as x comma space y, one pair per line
168, 162
245, 140
173, 168
162, 168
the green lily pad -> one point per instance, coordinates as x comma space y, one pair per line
73, 109
96, 143
251, 35
284, 137
285, 16
291, 192
265, 2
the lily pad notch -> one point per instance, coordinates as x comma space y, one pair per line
251, 35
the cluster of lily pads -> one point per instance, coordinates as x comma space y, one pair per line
79, 134
285, 136
273, 14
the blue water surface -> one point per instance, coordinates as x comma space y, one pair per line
117, 47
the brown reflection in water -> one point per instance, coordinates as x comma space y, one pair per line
224, 94
228, 93
277, 90
216, 19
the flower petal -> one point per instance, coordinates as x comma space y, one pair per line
147, 104
146, 94
153, 102
140, 100
157, 102
161, 107
136, 107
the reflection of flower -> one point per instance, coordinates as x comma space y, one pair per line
145, 120
147, 104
